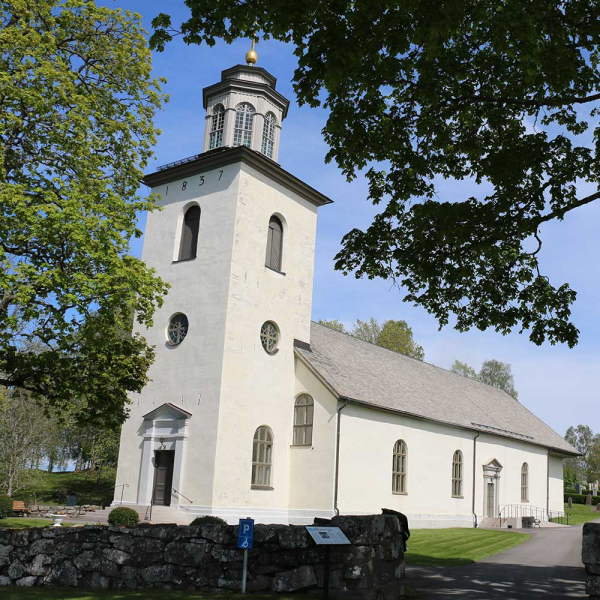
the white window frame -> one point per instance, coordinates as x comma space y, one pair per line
217, 127
304, 411
525, 482
244, 124
457, 474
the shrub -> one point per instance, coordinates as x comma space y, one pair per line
123, 516
208, 520
6, 505
580, 499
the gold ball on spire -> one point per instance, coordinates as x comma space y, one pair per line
251, 56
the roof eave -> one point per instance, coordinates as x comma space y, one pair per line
226, 156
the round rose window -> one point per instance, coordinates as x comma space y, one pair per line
269, 336
178, 329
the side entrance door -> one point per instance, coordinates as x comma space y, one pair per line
490, 499
163, 477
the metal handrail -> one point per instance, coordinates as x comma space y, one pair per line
514, 511
183, 496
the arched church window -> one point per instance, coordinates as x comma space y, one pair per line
303, 420
216, 127
189, 234
525, 483
177, 329
399, 468
244, 122
274, 244
457, 474
268, 137
262, 457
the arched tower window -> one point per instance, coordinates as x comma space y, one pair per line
457, 474
244, 122
216, 127
274, 244
303, 420
525, 483
268, 137
399, 467
189, 235
262, 457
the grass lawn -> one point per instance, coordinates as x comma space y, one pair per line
450, 547
580, 513
24, 523
51, 488
15, 593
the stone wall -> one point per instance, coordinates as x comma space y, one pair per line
590, 556
38, 510
169, 557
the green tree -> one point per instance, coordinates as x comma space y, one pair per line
77, 102
24, 435
587, 465
504, 94
492, 372
464, 369
498, 374
398, 336
333, 324
369, 331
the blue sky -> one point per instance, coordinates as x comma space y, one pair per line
558, 384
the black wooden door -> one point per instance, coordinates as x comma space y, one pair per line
163, 477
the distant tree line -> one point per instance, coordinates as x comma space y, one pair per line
584, 468
33, 434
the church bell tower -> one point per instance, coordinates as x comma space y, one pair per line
235, 239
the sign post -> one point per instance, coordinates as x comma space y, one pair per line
245, 539
327, 537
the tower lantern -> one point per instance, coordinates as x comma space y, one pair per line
244, 109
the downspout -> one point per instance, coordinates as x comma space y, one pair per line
474, 474
547, 485
337, 459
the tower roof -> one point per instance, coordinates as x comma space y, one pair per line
246, 78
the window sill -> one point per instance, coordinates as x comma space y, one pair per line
399, 493
274, 270
183, 260
524, 501
261, 487
459, 497
301, 445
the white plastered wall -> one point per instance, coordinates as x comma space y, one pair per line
188, 375
312, 468
257, 388
367, 440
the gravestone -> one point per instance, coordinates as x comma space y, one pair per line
570, 502
598, 507
578, 488
588, 500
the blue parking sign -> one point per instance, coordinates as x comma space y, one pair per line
246, 533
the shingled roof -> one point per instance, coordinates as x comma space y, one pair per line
375, 377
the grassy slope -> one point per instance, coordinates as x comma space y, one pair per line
48, 488
581, 514
449, 547
22, 523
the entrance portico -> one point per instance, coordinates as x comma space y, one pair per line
163, 452
491, 489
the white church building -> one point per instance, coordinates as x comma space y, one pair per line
254, 410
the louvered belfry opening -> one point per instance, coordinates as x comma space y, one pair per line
274, 244
189, 235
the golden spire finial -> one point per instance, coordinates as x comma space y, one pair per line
251, 56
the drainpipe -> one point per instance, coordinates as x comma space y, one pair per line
474, 473
547, 485
337, 459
